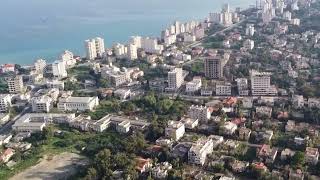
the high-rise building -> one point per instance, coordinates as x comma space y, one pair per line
261, 84
15, 85
100, 49
5, 102
213, 67
91, 49
94, 48
202, 113
175, 79
40, 65
59, 69
132, 52
68, 58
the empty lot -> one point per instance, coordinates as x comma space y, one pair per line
60, 166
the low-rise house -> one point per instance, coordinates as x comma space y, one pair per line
123, 127
123, 94
244, 133
143, 165
160, 171
216, 140
286, 153
267, 154
312, 155
175, 130
299, 141
239, 166
231, 144
4, 139
19, 146
189, 123
264, 111
259, 166
298, 101
6, 155
296, 174
314, 103
229, 128
181, 150
164, 142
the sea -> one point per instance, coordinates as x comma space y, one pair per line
33, 29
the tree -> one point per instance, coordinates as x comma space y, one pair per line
48, 132
298, 159
91, 174
103, 162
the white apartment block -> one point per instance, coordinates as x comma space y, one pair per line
223, 89
171, 39
248, 44
123, 127
59, 69
5, 102
55, 84
119, 50
287, 15
175, 79
94, 48
68, 58
40, 65
250, 30
132, 52
100, 48
202, 113
189, 38
261, 84
175, 130
91, 52
78, 103
314, 103
15, 85
199, 151
149, 45
194, 85
115, 75
41, 104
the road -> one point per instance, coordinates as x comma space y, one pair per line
5, 129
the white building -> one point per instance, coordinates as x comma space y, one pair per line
149, 45
123, 127
40, 66
119, 50
312, 155
194, 85
94, 48
122, 93
15, 85
91, 52
41, 104
59, 69
68, 58
287, 15
261, 84
229, 128
175, 79
132, 52
189, 38
171, 39
175, 130
37, 121
223, 89
199, 151
5, 102
78, 103
55, 84
202, 113
250, 30
295, 21
242, 86
248, 44
314, 103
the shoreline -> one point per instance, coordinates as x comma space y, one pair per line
23, 57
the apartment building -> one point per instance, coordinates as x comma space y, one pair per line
15, 85
199, 151
175, 130
202, 113
78, 103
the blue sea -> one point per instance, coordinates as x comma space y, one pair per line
32, 29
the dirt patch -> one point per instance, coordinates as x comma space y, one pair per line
56, 167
